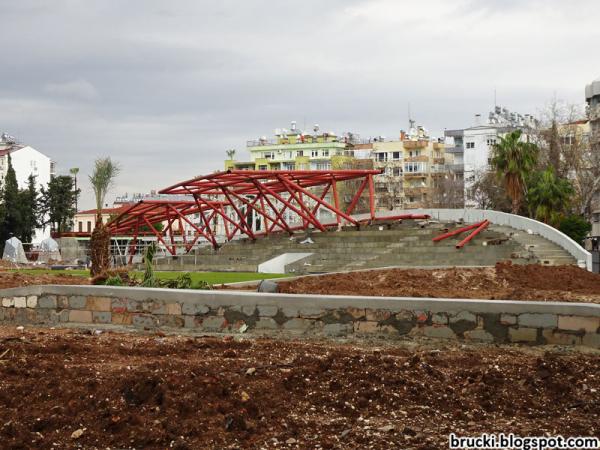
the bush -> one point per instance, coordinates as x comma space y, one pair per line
576, 227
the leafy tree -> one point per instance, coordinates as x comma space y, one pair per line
513, 160
29, 210
58, 202
11, 218
488, 192
576, 227
103, 176
548, 196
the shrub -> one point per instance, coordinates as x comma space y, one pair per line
576, 227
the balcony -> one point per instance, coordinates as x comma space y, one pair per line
439, 160
454, 133
412, 175
420, 158
455, 149
415, 191
414, 144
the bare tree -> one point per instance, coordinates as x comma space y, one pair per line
447, 191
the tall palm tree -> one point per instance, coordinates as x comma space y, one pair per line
549, 196
102, 178
513, 160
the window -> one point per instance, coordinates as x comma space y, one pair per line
262, 167
381, 157
314, 153
491, 141
414, 153
326, 153
470, 144
89, 226
80, 226
397, 171
268, 155
300, 153
396, 156
414, 167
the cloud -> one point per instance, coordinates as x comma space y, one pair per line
77, 89
167, 88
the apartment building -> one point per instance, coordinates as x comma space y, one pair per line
294, 149
471, 148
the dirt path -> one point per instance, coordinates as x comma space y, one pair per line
505, 281
154, 391
10, 279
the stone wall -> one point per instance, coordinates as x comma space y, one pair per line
235, 312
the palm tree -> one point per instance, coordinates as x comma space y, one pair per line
549, 196
101, 179
513, 160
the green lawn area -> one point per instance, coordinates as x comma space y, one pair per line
208, 277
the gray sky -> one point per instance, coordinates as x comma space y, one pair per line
165, 87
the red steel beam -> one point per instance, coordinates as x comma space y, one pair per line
477, 230
455, 232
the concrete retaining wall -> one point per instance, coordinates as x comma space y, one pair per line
232, 312
582, 256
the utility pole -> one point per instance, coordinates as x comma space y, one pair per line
74, 171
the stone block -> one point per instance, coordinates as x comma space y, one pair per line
591, 340
94, 303
119, 305
298, 324
560, 338
267, 310
213, 323
357, 313
522, 334
266, 323
47, 301
191, 321
144, 321
421, 316
405, 316
578, 323
312, 313
337, 329
439, 319
463, 316
79, 316
121, 318
249, 310
194, 309
289, 312
62, 302
366, 327
8, 302
538, 320
508, 319
101, 317
171, 321
32, 301
440, 332
377, 315
20, 302
479, 335
59, 316
173, 309
77, 302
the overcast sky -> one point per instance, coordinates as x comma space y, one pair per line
166, 87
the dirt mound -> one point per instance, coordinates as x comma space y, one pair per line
505, 281
10, 279
67, 389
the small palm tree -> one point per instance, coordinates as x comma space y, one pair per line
230, 153
513, 160
101, 179
549, 196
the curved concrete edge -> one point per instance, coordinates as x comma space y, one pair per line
582, 256
225, 298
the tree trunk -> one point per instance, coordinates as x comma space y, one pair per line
515, 206
100, 249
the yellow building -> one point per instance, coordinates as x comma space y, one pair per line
296, 150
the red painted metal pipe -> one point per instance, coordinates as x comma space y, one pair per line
478, 230
455, 232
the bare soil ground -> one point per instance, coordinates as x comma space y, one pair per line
9, 279
505, 281
77, 389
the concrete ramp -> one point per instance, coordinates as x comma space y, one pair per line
277, 264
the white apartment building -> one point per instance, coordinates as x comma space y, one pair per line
26, 161
472, 147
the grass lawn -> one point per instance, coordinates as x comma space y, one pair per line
208, 277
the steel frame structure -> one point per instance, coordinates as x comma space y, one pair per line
233, 197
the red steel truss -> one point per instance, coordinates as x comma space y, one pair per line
285, 200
